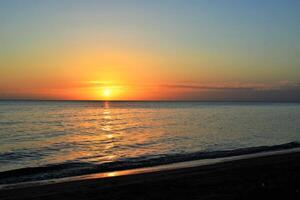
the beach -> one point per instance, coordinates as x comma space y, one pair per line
269, 177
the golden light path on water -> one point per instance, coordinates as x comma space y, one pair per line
110, 132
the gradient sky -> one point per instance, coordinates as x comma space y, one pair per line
150, 50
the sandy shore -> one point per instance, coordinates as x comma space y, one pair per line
269, 177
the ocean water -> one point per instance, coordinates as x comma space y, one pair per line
51, 139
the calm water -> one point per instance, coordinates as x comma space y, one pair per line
34, 133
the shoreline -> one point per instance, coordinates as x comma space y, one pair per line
174, 178
143, 170
21, 177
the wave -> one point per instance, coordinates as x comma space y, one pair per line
61, 170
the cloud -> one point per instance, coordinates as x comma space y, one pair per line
282, 85
206, 87
276, 91
222, 86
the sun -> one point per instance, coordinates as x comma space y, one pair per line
106, 92
109, 92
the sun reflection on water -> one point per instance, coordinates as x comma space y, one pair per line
105, 104
105, 134
111, 174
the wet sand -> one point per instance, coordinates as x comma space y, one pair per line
267, 177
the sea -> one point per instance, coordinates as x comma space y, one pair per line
44, 140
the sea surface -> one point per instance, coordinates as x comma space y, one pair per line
52, 139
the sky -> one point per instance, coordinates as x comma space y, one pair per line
150, 50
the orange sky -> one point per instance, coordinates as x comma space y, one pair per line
149, 51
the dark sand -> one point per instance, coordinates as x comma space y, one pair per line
268, 177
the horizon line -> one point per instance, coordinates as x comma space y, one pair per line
169, 100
